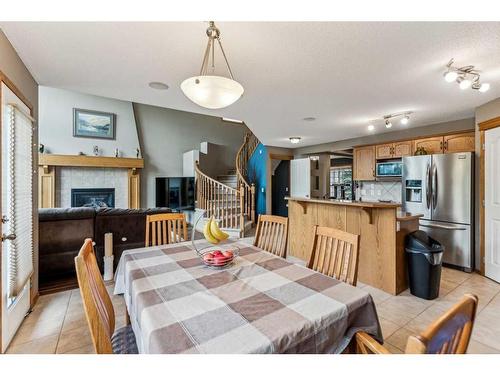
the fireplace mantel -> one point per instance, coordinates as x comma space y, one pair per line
47, 174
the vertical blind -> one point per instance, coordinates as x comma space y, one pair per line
19, 192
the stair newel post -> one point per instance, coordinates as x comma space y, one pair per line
252, 203
242, 205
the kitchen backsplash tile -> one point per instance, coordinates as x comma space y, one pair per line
381, 190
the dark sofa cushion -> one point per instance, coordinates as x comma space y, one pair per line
56, 214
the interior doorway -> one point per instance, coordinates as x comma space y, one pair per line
280, 183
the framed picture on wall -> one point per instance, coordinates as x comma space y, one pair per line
93, 124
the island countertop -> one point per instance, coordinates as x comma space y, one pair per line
381, 227
345, 202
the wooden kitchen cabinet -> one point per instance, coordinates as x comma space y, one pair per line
433, 145
364, 163
401, 149
384, 151
463, 142
394, 150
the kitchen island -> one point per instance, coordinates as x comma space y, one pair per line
381, 227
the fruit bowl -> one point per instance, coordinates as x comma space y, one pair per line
218, 256
219, 253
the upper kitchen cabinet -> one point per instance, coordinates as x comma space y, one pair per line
393, 150
364, 163
463, 142
432, 145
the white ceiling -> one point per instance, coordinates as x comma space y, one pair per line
344, 74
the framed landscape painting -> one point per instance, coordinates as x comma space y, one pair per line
93, 124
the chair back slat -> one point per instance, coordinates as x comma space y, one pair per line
335, 254
164, 229
450, 334
96, 301
272, 234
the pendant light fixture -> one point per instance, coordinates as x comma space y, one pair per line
209, 90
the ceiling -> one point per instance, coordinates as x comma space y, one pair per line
344, 74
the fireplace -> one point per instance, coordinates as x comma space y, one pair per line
93, 197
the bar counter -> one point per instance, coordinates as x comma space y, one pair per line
381, 227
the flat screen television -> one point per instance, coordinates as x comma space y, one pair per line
175, 192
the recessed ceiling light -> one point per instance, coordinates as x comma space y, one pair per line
295, 140
309, 119
158, 85
371, 128
405, 120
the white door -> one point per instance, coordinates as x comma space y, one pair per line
492, 204
300, 178
17, 213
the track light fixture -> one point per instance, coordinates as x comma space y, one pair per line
466, 76
404, 119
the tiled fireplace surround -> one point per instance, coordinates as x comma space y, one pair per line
78, 177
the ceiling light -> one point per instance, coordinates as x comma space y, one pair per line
371, 128
295, 140
405, 120
309, 119
450, 76
465, 83
484, 87
212, 91
226, 119
388, 124
158, 85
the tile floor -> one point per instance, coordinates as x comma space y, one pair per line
57, 323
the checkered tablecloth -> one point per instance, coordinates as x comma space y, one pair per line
260, 304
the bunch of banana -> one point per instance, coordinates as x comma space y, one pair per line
212, 232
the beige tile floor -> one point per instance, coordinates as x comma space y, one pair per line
57, 323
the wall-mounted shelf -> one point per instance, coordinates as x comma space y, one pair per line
88, 161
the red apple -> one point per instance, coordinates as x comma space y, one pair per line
216, 252
219, 260
228, 254
208, 257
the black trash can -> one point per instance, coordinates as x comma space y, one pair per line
424, 256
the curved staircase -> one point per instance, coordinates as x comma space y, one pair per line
230, 198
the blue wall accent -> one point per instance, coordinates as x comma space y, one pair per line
257, 173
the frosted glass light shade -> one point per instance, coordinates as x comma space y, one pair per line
212, 92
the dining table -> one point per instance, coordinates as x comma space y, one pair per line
260, 303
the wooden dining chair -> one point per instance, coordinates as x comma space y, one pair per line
335, 254
164, 229
99, 308
272, 234
450, 334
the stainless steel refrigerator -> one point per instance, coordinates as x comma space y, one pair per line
440, 187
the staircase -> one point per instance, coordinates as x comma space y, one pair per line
230, 198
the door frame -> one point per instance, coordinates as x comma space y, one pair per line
483, 126
269, 182
4, 79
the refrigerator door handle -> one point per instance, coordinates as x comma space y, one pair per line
428, 187
439, 226
434, 187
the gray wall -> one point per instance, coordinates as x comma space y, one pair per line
428, 130
15, 70
485, 112
56, 123
165, 134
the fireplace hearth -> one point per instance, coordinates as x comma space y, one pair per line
93, 197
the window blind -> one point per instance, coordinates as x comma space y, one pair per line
20, 203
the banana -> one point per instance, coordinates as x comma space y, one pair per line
208, 235
216, 232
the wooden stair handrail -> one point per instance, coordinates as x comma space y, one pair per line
244, 153
222, 202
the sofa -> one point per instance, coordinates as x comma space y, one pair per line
62, 232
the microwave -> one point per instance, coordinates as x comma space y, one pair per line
389, 169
